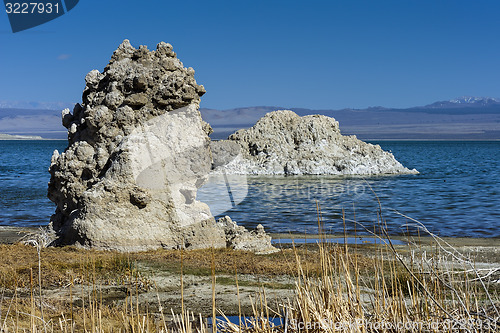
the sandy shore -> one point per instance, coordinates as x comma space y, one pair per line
454, 241
485, 252
10, 235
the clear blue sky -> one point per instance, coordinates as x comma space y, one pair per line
313, 54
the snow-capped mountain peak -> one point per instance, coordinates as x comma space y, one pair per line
474, 100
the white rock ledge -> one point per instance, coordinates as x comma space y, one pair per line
283, 143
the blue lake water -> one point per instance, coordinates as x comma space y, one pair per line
457, 192
23, 181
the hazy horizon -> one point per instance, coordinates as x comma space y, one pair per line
477, 120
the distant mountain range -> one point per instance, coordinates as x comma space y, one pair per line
35, 105
467, 102
32, 122
467, 118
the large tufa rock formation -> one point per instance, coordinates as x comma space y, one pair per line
137, 153
283, 143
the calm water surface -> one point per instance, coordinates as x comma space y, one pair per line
457, 192
23, 181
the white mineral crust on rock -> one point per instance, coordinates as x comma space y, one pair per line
138, 151
283, 143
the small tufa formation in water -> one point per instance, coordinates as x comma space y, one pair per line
137, 153
283, 143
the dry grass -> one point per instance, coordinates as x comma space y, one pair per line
422, 293
198, 262
23, 306
61, 266
24, 316
336, 289
424, 296
436, 291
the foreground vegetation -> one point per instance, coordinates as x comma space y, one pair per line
330, 288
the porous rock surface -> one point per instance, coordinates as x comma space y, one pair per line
239, 238
137, 152
283, 143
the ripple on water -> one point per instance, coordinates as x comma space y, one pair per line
455, 194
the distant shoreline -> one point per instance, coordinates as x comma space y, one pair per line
42, 139
417, 140
19, 137
9, 137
